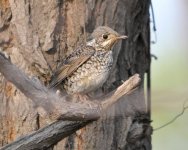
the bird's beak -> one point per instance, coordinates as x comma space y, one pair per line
122, 37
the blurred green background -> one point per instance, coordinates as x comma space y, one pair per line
170, 74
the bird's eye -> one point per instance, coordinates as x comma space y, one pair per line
105, 36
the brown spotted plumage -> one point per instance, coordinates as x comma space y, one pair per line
88, 67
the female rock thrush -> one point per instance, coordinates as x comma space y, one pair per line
88, 67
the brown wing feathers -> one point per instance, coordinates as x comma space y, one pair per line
71, 64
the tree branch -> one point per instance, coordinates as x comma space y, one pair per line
58, 108
53, 105
47, 136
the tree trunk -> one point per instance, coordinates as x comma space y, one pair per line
37, 35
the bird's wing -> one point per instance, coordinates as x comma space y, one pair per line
71, 63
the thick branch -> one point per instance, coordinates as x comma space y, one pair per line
55, 106
46, 137
52, 134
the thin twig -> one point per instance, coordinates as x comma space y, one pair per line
175, 118
154, 23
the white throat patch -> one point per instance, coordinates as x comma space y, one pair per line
91, 43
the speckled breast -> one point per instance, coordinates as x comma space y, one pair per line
91, 75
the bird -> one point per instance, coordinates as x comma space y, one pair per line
88, 66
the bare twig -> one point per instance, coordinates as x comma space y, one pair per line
154, 24
126, 88
176, 117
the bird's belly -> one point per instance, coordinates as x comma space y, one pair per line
96, 80
91, 75
86, 82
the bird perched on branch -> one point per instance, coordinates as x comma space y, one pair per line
88, 67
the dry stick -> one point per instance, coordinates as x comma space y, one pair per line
126, 88
42, 97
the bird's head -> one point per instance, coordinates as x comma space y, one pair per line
105, 38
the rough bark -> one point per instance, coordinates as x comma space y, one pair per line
37, 35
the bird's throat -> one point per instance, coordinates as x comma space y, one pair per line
94, 44
91, 43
